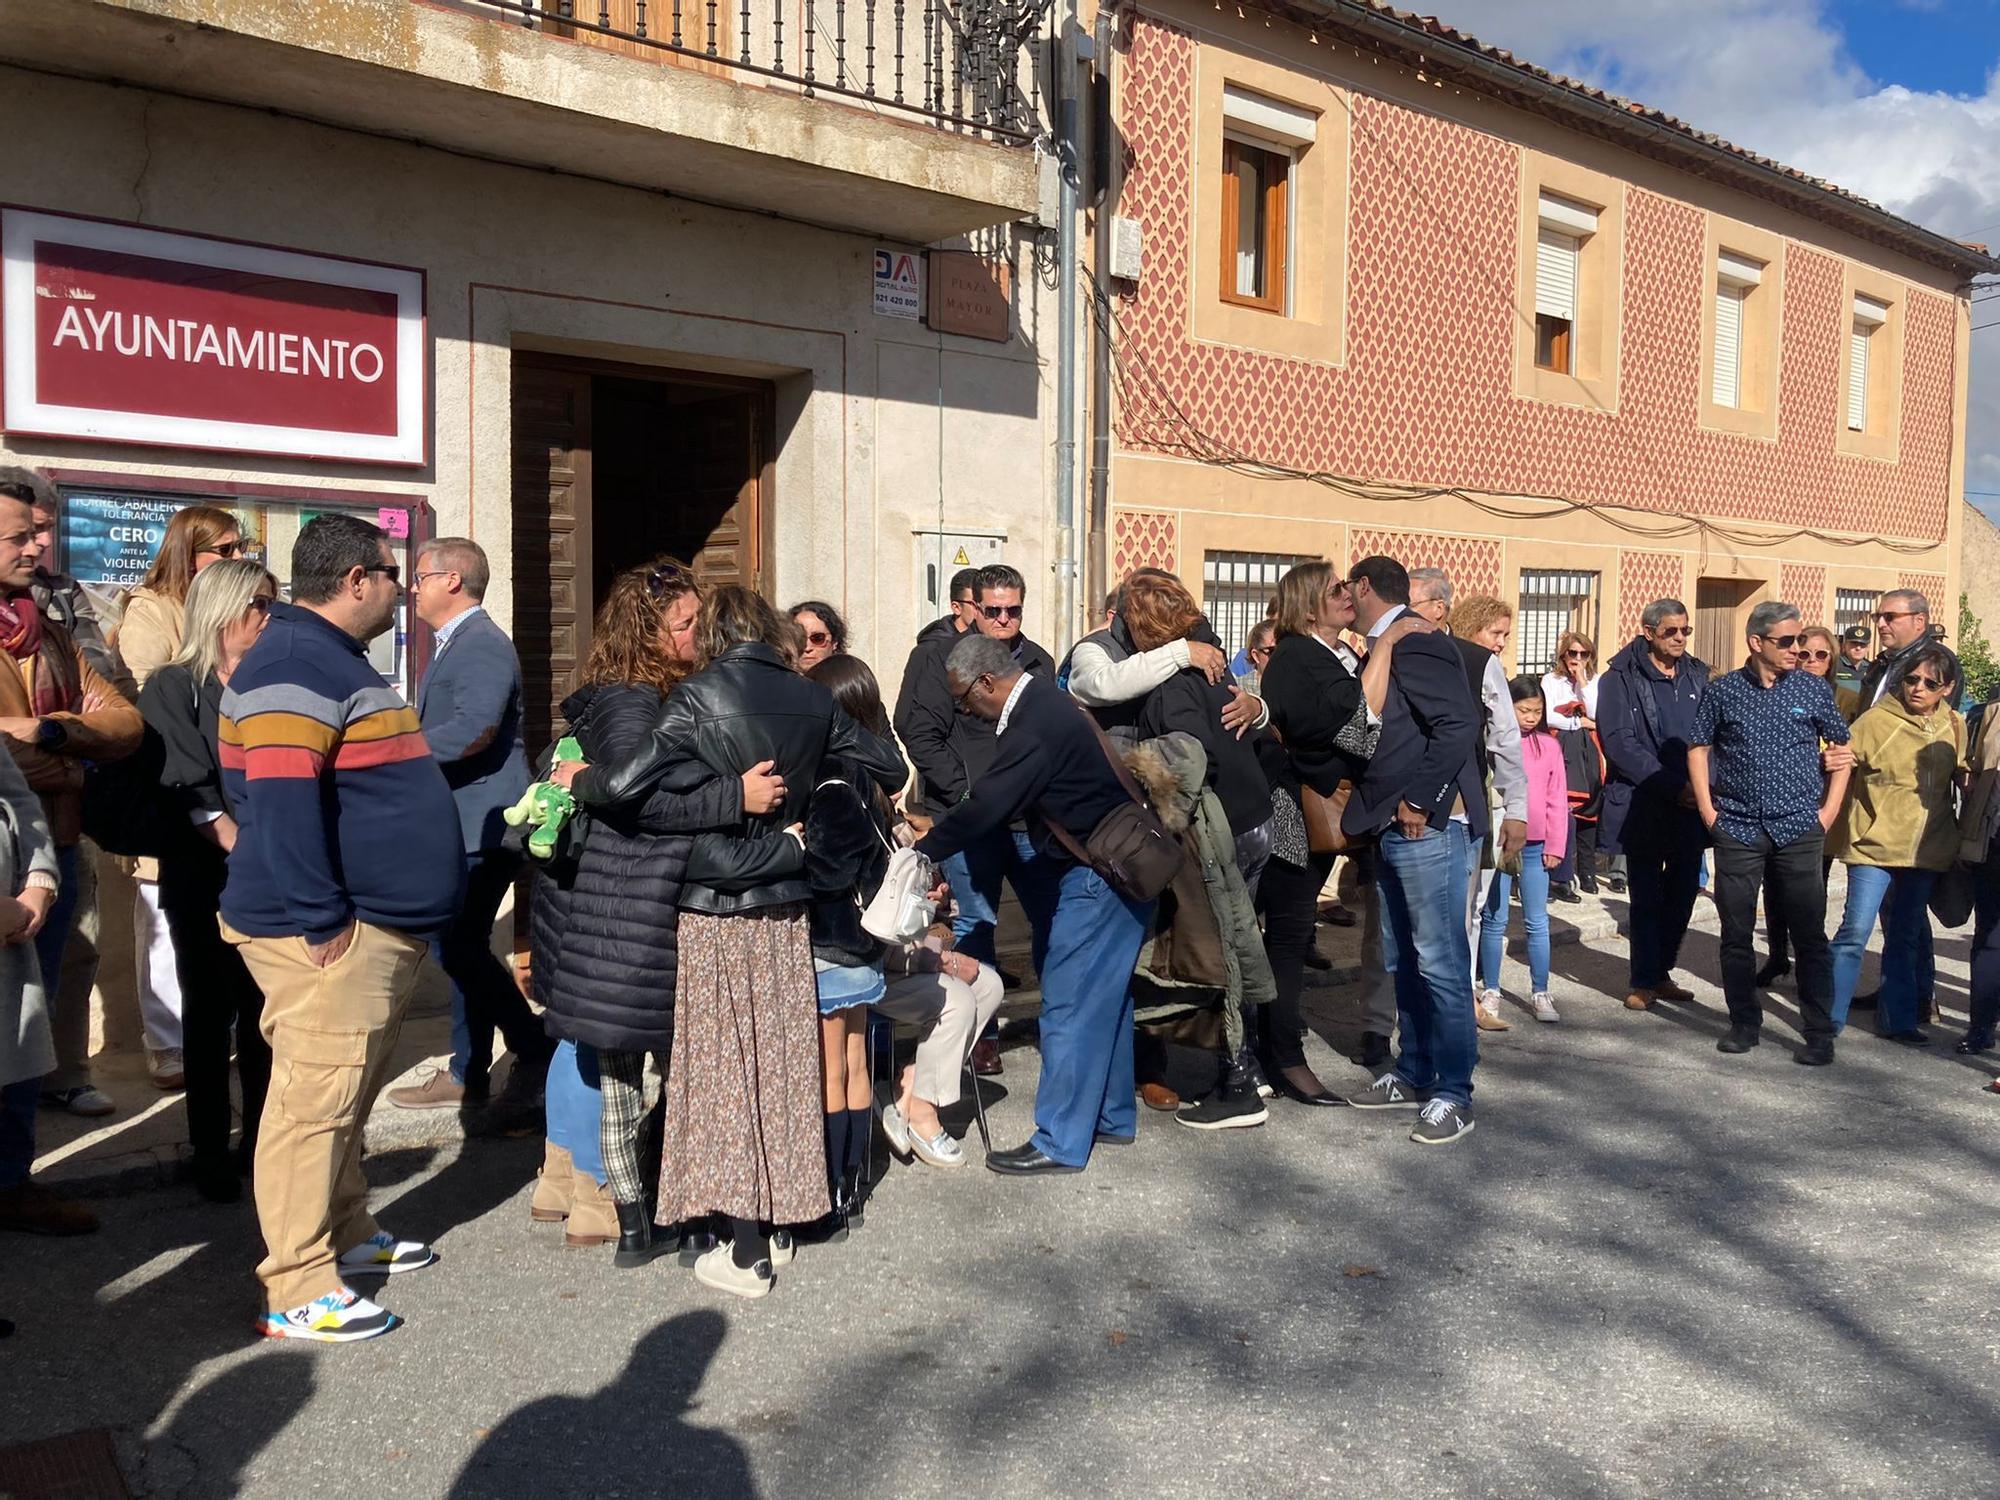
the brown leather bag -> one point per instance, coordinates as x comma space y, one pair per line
1322, 815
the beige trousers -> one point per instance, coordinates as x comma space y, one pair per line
962, 1011
332, 1032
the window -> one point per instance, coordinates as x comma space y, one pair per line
1552, 603
1256, 201
1563, 227
1852, 607
1736, 278
1869, 315
1237, 589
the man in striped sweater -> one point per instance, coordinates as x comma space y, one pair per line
346, 863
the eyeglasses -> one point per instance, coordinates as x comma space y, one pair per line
1884, 616
1782, 642
818, 638
958, 703
1576, 656
1918, 679
417, 581
1673, 632
1814, 655
1001, 611
223, 550
260, 605
390, 571
966, 600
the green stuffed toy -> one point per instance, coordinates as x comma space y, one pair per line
545, 806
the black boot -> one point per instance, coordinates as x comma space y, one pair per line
854, 1185
638, 1241
698, 1237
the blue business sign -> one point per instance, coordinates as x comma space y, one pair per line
109, 538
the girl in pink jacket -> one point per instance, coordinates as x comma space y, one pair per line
1548, 835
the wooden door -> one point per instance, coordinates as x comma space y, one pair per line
552, 471
1718, 622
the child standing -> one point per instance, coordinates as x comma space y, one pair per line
1548, 838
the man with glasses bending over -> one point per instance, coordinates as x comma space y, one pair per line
1754, 766
1645, 711
953, 748
1903, 626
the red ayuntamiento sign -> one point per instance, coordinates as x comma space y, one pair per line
123, 334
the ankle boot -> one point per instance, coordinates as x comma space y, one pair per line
698, 1237
593, 1216
550, 1205
638, 1241
855, 1189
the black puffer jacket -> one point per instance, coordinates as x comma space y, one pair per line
604, 948
748, 706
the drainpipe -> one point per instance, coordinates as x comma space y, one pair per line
1066, 350
1097, 557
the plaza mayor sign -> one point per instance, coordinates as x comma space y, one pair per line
114, 333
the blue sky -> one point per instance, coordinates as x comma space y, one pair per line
1897, 100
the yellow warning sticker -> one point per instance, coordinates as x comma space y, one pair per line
961, 560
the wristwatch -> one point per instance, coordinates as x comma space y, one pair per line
50, 735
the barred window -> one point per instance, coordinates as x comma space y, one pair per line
1237, 589
1551, 604
1852, 607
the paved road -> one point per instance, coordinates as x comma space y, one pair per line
1653, 1271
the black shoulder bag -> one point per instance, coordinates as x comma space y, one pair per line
1129, 847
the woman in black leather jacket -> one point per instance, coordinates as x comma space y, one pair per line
744, 1134
604, 937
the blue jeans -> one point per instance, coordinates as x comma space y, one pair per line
1423, 886
1086, 1085
1534, 912
975, 873
1908, 969
19, 1100
575, 1107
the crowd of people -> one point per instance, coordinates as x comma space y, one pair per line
711, 999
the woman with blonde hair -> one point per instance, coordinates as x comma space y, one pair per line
604, 936
149, 636
1570, 690
745, 1141
227, 608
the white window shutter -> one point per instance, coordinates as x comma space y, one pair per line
1555, 274
1728, 344
1857, 379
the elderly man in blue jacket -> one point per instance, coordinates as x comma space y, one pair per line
470, 706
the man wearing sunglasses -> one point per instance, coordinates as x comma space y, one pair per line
1755, 768
953, 748
1903, 626
1645, 710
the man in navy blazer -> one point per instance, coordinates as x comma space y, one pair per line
1425, 796
470, 705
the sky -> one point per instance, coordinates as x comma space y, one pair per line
1897, 100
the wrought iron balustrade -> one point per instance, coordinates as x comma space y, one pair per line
964, 65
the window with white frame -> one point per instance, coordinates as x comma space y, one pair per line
1736, 279
1869, 315
1237, 589
1563, 226
1262, 141
1552, 604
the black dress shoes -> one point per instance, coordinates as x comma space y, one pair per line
1773, 971
1740, 1039
1024, 1161
1106, 1138
1816, 1053
1302, 1086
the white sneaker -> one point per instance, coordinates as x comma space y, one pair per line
1489, 1001
169, 1072
1545, 1008
718, 1268
340, 1317
784, 1249
83, 1099
385, 1255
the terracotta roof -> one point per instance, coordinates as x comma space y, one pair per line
1667, 137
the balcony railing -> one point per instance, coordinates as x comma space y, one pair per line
965, 65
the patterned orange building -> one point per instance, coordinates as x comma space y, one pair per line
1396, 291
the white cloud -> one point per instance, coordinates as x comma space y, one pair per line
1776, 77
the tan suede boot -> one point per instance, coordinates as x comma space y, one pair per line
550, 1205
593, 1213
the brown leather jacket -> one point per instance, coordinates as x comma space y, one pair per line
109, 732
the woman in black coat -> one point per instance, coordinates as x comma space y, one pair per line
604, 937
227, 607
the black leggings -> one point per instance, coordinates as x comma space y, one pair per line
218, 999
1289, 899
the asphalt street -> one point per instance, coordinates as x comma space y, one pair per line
1652, 1271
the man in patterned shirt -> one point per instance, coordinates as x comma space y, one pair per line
1755, 767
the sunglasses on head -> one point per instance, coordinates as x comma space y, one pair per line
1919, 680
1001, 611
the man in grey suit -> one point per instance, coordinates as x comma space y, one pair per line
470, 705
